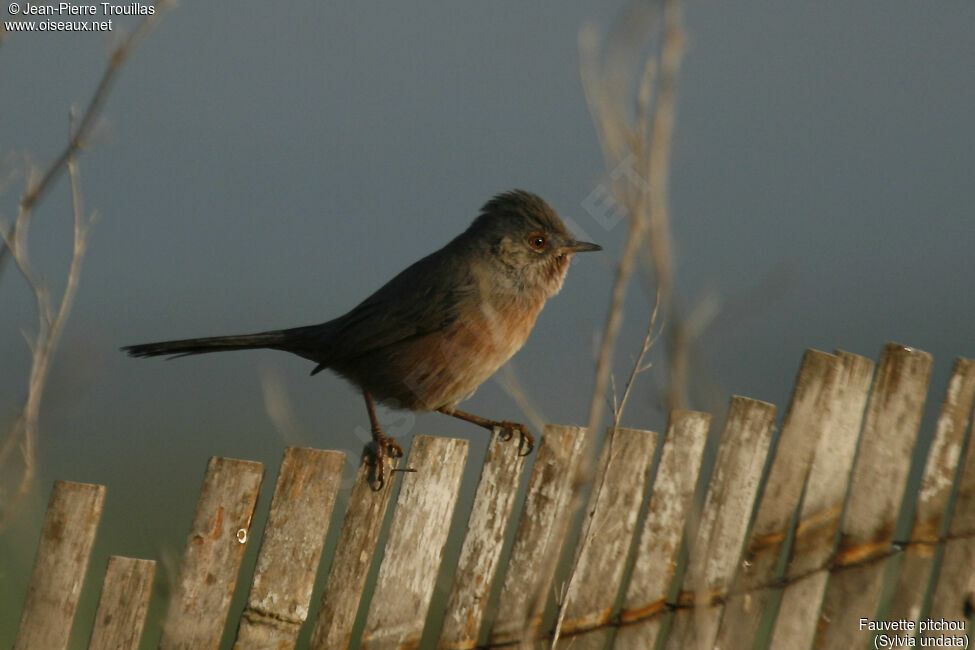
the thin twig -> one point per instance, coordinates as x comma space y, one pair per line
638, 366
51, 323
659, 177
76, 141
45, 343
650, 153
508, 379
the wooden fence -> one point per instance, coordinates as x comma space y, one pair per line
800, 563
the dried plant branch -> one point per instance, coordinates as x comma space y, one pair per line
277, 405
50, 328
618, 407
660, 235
36, 190
51, 321
639, 158
638, 365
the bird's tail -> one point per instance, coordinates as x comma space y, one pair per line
276, 340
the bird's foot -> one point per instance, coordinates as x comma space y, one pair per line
505, 429
526, 439
383, 447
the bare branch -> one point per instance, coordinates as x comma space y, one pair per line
646, 169
508, 379
50, 321
36, 190
48, 335
638, 365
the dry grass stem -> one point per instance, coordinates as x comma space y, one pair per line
508, 379
37, 189
637, 152
51, 324
51, 319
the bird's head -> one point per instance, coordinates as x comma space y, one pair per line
525, 237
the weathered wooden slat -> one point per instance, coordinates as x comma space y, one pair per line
829, 476
723, 524
215, 547
123, 604
877, 486
886, 447
936, 484
945, 452
60, 565
479, 555
912, 582
658, 549
541, 531
797, 616
822, 504
953, 599
291, 548
417, 535
963, 513
813, 398
352, 559
607, 533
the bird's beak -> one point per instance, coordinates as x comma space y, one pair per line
580, 247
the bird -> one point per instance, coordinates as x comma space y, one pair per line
428, 338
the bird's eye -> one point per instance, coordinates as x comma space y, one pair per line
537, 241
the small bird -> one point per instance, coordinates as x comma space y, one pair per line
430, 336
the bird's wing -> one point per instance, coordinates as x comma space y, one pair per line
423, 299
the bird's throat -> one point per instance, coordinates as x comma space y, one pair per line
555, 274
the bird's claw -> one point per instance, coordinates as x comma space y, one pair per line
393, 448
527, 440
503, 434
383, 447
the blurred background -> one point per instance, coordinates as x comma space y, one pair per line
264, 166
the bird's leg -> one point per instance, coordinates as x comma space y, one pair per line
384, 445
507, 428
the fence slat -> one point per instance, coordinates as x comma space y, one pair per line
479, 555
60, 565
936, 483
123, 604
659, 547
813, 397
720, 536
877, 486
952, 599
945, 452
214, 549
291, 548
353, 556
953, 596
829, 476
541, 530
611, 517
822, 504
797, 616
417, 535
